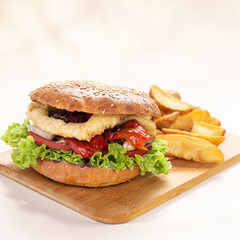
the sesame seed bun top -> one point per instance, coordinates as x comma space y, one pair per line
97, 98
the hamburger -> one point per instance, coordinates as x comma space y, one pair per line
89, 134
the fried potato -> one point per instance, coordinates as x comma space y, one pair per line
166, 120
159, 132
215, 121
182, 122
173, 93
203, 116
191, 148
200, 115
167, 102
216, 140
207, 129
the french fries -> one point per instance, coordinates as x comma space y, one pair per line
173, 93
166, 101
215, 121
182, 122
207, 129
200, 115
216, 140
203, 116
166, 120
159, 132
191, 133
191, 148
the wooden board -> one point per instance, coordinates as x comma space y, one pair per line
124, 202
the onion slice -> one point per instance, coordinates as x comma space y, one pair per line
40, 132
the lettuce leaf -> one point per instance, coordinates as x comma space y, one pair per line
26, 152
15, 133
114, 159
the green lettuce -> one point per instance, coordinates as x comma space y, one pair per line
15, 133
153, 161
26, 152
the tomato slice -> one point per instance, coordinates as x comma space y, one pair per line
83, 148
48, 143
133, 132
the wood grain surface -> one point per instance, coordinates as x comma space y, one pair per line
124, 202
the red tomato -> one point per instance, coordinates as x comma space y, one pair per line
48, 143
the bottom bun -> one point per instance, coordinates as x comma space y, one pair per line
83, 175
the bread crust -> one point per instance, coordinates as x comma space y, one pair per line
97, 98
83, 175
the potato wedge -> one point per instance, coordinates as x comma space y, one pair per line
173, 93
207, 129
182, 122
216, 140
190, 148
159, 132
167, 102
215, 121
166, 120
200, 115
203, 116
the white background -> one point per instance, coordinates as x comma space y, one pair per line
191, 46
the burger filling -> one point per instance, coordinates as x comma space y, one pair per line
85, 126
113, 141
131, 135
92, 132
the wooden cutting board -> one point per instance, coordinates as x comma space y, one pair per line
124, 202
